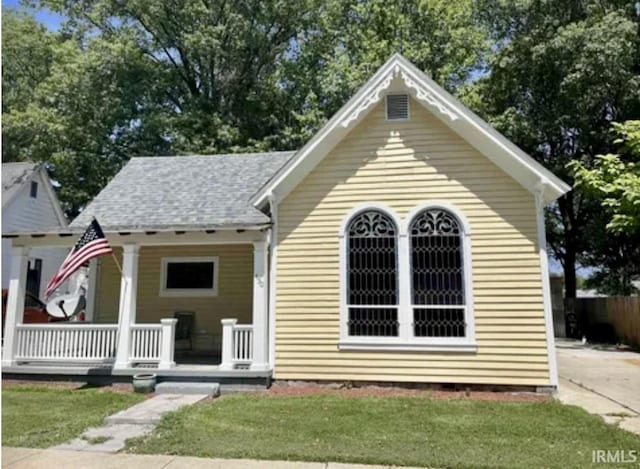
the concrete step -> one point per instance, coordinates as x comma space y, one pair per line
174, 387
151, 411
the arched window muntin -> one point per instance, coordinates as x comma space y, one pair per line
437, 270
372, 285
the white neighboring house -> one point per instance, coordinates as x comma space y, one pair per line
30, 203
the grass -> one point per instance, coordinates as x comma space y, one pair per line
37, 416
398, 430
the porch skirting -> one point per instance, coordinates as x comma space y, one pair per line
230, 380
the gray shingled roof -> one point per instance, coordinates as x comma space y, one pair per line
183, 192
14, 175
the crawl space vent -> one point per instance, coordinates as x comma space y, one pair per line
397, 107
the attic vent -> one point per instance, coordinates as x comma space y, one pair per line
397, 107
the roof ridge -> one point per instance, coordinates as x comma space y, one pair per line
264, 153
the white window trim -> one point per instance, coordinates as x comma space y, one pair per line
344, 226
405, 340
188, 292
386, 114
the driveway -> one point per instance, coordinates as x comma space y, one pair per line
602, 381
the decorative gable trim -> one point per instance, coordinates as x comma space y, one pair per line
484, 138
422, 94
374, 97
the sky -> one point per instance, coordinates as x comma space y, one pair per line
48, 18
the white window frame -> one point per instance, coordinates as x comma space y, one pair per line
188, 292
406, 341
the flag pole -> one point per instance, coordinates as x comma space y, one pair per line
115, 259
113, 254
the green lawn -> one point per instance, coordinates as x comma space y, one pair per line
39, 416
391, 430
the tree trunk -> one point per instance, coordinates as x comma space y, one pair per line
574, 325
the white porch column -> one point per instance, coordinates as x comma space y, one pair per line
128, 297
167, 343
226, 361
260, 307
15, 302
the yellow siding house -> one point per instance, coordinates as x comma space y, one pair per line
404, 243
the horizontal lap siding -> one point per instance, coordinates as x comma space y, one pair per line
108, 288
27, 213
403, 164
235, 287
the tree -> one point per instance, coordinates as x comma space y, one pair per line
27, 52
79, 112
190, 76
561, 73
615, 179
353, 38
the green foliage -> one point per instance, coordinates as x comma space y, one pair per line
139, 78
562, 71
615, 180
80, 113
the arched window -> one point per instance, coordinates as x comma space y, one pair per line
372, 275
437, 274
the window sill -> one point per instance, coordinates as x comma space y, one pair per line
455, 347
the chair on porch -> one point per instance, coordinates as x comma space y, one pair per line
184, 327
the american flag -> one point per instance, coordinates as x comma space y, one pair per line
91, 244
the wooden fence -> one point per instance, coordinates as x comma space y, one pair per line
621, 312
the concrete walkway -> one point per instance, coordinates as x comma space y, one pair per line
603, 382
24, 458
133, 422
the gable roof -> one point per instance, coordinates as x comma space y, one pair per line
184, 192
16, 175
488, 141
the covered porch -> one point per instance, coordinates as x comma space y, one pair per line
186, 303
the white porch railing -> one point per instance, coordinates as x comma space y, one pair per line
145, 343
66, 342
153, 343
242, 344
95, 343
237, 344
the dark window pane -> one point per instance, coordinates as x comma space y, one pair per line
372, 277
441, 322
373, 322
34, 189
189, 275
437, 274
437, 270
